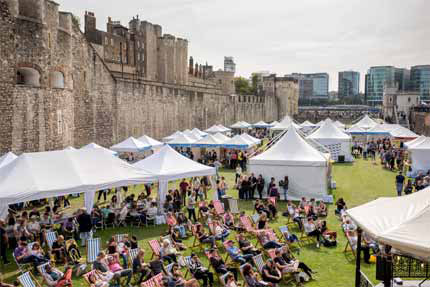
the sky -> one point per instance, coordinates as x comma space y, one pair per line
282, 37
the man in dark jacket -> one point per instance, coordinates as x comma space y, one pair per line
85, 225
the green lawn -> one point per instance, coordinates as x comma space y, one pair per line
357, 183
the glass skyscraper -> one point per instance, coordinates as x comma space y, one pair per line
348, 84
420, 81
376, 79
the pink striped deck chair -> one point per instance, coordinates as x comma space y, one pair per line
246, 222
272, 199
154, 281
155, 247
219, 209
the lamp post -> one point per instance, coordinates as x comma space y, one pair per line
358, 261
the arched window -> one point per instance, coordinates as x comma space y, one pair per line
57, 80
28, 76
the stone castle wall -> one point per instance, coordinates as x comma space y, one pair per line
96, 104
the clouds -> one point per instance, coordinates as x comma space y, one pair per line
285, 36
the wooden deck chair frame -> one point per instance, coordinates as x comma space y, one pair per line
155, 248
219, 209
28, 280
86, 276
247, 224
255, 217
283, 230
93, 249
303, 236
348, 246
23, 267
187, 260
270, 232
234, 208
259, 262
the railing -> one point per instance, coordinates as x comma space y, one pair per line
364, 281
408, 267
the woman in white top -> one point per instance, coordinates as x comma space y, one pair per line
312, 230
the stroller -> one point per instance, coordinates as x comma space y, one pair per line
74, 257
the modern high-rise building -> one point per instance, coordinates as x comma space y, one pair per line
312, 86
420, 81
376, 79
229, 65
402, 79
348, 84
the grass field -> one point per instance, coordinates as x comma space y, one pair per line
357, 183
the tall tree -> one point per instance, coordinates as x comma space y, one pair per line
242, 86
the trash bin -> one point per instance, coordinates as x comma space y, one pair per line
225, 202
341, 158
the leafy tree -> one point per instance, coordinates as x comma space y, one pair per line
242, 86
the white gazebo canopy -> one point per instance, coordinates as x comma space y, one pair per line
292, 156
274, 123
240, 125
130, 145
285, 124
70, 148
354, 130
150, 141
172, 136
250, 138
215, 129
402, 132
208, 141
329, 130
411, 143
199, 132
420, 155
221, 137
94, 146
402, 222
261, 124
7, 158
39, 175
181, 141
238, 142
339, 124
223, 128
366, 123
167, 164
192, 135
307, 124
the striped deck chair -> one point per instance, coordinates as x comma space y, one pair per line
271, 234
196, 241
228, 258
27, 280
154, 281
255, 217
93, 249
187, 260
285, 234
87, 276
133, 253
120, 237
243, 276
155, 248
42, 268
232, 202
272, 199
259, 262
348, 246
169, 268
50, 237
246, 222
219, 208
22, 267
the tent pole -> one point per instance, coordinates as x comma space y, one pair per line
357, 261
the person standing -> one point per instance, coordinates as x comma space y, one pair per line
253, 181
260, 185
285, 184
183, 186
238, 173
400, 180
85, 226
3, 242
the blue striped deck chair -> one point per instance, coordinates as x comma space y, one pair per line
187, 260
259, 262
51, 237
120, 237
93, 249
169, 268
133, 253
42, 268
22, 267
27, 280
255, 218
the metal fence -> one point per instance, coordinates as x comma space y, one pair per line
364, 281
408, 267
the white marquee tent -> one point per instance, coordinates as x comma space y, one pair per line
70, 148
285, 124
339, 125
215, 129
250, 138
181, 141
208, 141
420, 155
307, 124
274, 123
415, 141
39, 175
240, 125
93, 146
172, 136
223, 128
261, 124
402, 132
401, 222
306, 168
221, 137
354, 130
7, 158
168, 165
192, 135
366, 123
199, 132
238, 142
130, 145
338, 142
150, 141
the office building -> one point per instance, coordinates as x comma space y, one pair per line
348, 84
420, 81
376, 79
313, 86
229, 65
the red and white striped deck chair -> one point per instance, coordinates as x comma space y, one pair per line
219, 208
155, 247
154, 281
272, 199
246, 223
271, 234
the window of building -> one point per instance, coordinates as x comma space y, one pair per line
57, 80
28, 76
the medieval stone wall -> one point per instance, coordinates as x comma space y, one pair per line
73, 97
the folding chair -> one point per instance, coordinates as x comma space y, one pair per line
50, 237
243, 276
93, 249
23, 267
42, 268
169, 268
196, 241
348, 246
232, 202
259, 262
27, 280
219, 209
87, 276
187, 260
255, 217
120, 237
155, 248
133, 253
246, 222
285, 234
